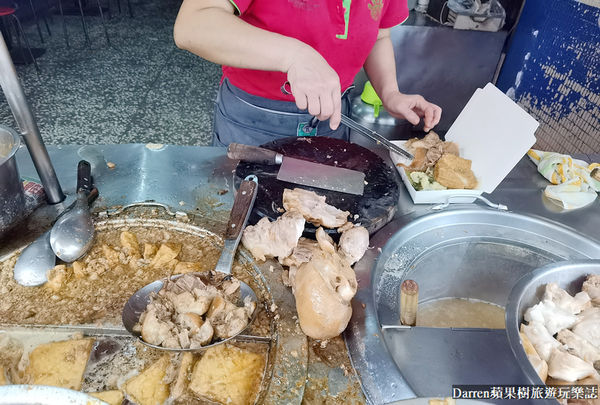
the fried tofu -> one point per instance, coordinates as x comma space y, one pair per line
113, 397
455, 172
165, 254
130, 244
3, 380
188, 267
60, 364
148, 388
180, 384
149, 251
228, 375
57, 276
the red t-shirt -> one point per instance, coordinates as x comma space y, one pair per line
343, 37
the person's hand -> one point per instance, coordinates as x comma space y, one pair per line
315, 86
413, 107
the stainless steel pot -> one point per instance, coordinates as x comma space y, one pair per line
12, 196
529, 290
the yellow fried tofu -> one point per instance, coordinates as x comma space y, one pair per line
113, 397
149, 251
3, 380
187, 267
57, 276
166, 252
110, 254
60, 364
130, 244
181, 381
78, 269
148, 387
228, 375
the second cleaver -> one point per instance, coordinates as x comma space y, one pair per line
300, 171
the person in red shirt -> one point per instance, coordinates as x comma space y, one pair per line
285, 61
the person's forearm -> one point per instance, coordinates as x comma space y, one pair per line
223, 38
380, 66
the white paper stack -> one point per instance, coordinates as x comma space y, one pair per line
494, 133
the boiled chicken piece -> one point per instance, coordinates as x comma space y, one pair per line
301, 253
540, 366
578, 346
564, 300
540, 338
325, 241
187, 302
156, 329
551, 316
566, 367
274, 239
323, 289
203, 336
354, 242
588, 326
592, 287
313, 208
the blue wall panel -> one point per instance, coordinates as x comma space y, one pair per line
552, 69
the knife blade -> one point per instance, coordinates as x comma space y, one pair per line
300, 171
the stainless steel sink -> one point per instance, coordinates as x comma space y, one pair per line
465, 253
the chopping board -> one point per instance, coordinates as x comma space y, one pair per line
373, 209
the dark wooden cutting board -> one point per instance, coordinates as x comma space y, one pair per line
374, 208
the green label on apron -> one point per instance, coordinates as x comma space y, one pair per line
305, 130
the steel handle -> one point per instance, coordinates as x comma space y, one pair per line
253, 154
490, 204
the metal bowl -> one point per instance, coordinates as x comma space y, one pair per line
529, 290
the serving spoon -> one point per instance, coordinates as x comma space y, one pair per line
72, 234
36, 259
240, 212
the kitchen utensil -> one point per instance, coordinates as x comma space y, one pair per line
372, 210
242, 206
12, 198
369, 133
36, 259
44, 395
528, 291
299, 171
73, 233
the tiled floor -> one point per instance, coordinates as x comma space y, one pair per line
141, 88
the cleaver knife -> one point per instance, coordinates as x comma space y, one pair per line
300, 171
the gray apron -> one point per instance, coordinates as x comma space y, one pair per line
252, 120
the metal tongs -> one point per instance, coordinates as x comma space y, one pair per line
369, 133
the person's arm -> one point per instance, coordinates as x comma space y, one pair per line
380, 68
210, 29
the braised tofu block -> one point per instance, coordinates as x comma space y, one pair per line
148, 388
165, 254
228, 375
454, 172
113, 397
59, 364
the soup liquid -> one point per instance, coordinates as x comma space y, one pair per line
460, 313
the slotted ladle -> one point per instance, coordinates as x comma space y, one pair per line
240, 212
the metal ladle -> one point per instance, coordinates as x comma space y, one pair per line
72, 234
240, 212
36, 259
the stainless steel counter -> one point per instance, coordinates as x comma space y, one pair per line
199, 180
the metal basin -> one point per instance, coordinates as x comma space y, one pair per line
465, 253
529, 291
12, 198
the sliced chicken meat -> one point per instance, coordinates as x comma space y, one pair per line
588, 326
592, 287
314, 208
301, 253
578, 346
566, 367
274, 239
566, 301
551, 316
540, 338
354, 242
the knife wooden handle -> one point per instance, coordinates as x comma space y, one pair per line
242, 205
253, 154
